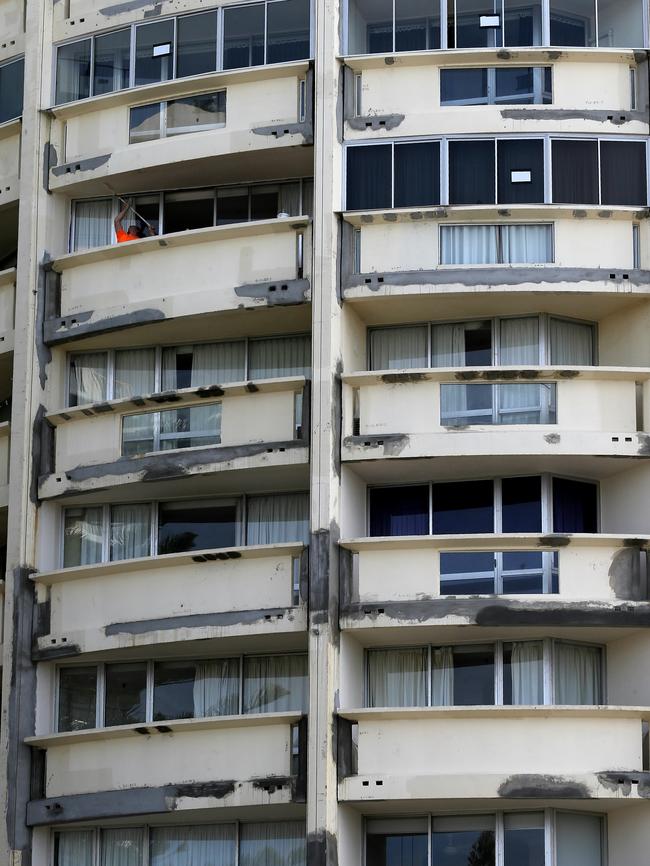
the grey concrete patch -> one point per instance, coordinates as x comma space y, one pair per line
536, 786
128, 6
43, 300
375, 122
56, 651
319, 561
623, 783
222, 619
625, 575
89, 164
50, 160
617, 118
552, 438
393, 443
78, 326
276, 293
403, 378
322, 846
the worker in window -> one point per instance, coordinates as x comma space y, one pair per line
135, 231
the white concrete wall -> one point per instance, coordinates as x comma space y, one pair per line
628, 660
353, 504
628, 834
9, 163
625, 500
7, 305
351, 681
623, 336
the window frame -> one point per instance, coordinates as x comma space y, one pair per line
163, 127
491, 98
500, 263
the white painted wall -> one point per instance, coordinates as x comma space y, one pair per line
628, 664
625, 501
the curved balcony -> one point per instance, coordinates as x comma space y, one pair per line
183, 596
579, 753
223, 268
427, 413
96, 144
220, 762
511, 579
9, 161
253, 425
588, 92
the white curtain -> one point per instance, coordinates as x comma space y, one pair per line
208, 845
526, 245
216, 688
134, 372
442, 663
519, 346
577, 674
448, 350
307, 197
398, 348
397, 678
122, 847
130, 531
278, 518
578, 839
275, 684
527, 670
279, 356
273, 844
289, 199
82, 542
468, 245
88, 378
93, 222
212, 364
75, 848
571, 343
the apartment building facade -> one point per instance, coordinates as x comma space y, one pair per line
325, 500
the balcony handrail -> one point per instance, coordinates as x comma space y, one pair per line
179, 239
491, 542
531, 374
176, 398
167, 560
117, 732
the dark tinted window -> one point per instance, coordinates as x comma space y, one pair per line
417, 174
73, 71
154, 52
521, 172
287, 31
232, 206
112, 62
623, 173
471, 172
126, 686
396, 849
173, 696
473, 676
463, 85
199, 525
522, 504
515, 85
188, 211
575, 172
369, 177
196, 44
399, 511
243, 36
463, 507
466, 573
11, 90
575, 506
77, 698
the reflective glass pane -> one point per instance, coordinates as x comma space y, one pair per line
173, 695
188, 210
473, 676
469, 245
579, 839
191, 427
137, 434
573, 23
467, 573
462, 405
523, 573
575, 171
126, 686
524, 839
463, 841
73, 71
154, 52
12, 77
463, 86
523, 22
620, 24
521, 504
471, 172
194, 113
623, 173
232, 205
88, 378
398, 348
196, 44
463, 507
77, 698
370, 26
462, 344
82, 536
399, 510
201, 845
265, 202
477, 24
396, 843
275, 684
515, 85
272, 844
526, 404
112, 62
520, 167
243, 36
287, 29
369, 177
575, 506
524, 244
144, 123
417, 25
417, 174
198, 525
130, 532
397, 678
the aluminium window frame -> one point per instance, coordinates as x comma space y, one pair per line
539, 92
499, 243
444, 141
163, 126
158, 437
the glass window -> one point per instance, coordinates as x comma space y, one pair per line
77, 698
185, 211
243, 39
571, 343
417, 174
370, 26
579, 839
523, 841
134, 372
521, 504
526, 244
130, 536
276, 684
464, 86
469, 245
201, 845
522, 24
93, 224
476, 404
145, 122
399, 510
203, 364
196, 44
401, 842
519, 341
573, 23
462, 344
578, 674
287, 31
473, 676
471, 172
264, 202
83, 533
87, 381
233, 206
74, 848
623, 173
475, 26
620, 24
397, 678
277, 519
123, 847
12, 81
520, 166
125, 700
195, 113
463, 507
417, 25
272, 844
523, 676
276, 357
399, 348
523, 85
467, 573
458, 841
187, 690
369, 177
197, 525
154, 52
575, 171
112, 62
73, 71
575, 506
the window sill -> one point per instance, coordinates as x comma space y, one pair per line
370, 714
117, 732
176, 87
450, 214
180, 239
170, 560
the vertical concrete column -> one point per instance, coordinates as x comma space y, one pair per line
325, 448
19, 674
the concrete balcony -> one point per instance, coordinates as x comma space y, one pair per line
591, 93
256, 425
9, 161
225, 268
243, 591
401, 413
389, 582
261, 138
509, 753
219, 762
